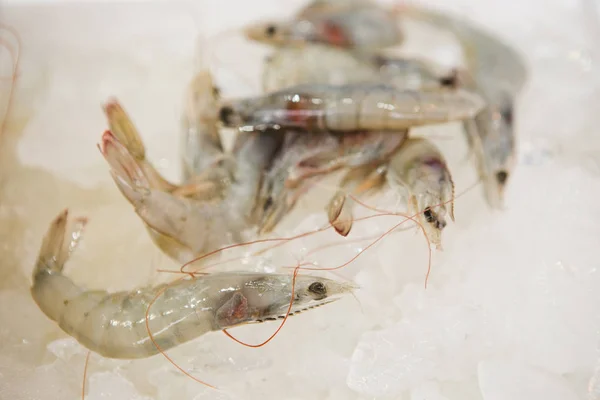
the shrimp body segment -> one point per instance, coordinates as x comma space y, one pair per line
358, 24
353, 107
420, 169
114, 324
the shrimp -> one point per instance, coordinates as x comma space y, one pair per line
304, 158
202, 147
487, 57
497, 72
214, 214
321, 64
358, 25
117, 325
420, 169
358, 181
352, 107
491, 135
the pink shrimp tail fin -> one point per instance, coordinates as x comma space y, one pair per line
60, 241
125, 171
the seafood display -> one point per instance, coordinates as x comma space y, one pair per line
353, 112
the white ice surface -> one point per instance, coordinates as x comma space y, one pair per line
511, 309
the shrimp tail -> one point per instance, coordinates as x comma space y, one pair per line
122, 127
339, 212
127, 174
358, 181
54, 251
170, 219
50, 289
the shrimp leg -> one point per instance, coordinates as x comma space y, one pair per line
358, 181
420, 168
116, 325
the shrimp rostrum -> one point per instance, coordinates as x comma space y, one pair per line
117, 325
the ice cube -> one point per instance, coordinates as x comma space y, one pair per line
112, 385
501, 379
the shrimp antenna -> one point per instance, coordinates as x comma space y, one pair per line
85, 369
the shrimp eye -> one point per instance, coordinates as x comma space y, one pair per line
501, 177
271, 30
428, 215
450, 81
318, 288
507, 115
268, 203
225, 115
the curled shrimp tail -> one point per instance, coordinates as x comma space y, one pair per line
127, 174
58, 244
173, 224
339, 213
122, 127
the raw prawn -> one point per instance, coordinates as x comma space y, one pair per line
358, 24
352, 107
116, 325
420, 169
